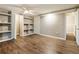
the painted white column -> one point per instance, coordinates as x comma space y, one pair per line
13, 25
21, 18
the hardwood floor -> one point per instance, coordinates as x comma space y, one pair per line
37, 44
70, 36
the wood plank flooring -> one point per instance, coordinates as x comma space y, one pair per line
70, 36
37, 44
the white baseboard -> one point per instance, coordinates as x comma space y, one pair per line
27, 34
6, 39
48, 36
52, 36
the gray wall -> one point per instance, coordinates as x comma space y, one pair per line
53, 25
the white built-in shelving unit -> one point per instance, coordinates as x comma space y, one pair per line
5, 26
28, 26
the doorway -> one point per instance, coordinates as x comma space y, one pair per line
18, 20
17, 26
70, 26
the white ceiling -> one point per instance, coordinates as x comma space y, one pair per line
42, 8
45, 8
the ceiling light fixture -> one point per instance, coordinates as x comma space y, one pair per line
26, 12
30, 12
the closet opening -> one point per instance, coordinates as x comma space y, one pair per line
70, 26
17, 25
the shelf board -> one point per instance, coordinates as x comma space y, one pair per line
5, 23
26, 24
5, 39
28, 34
4, 31
4, 14
28, 18
28, 30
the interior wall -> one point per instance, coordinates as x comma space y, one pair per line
77, 26
37, 24
53, 25
70, 23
